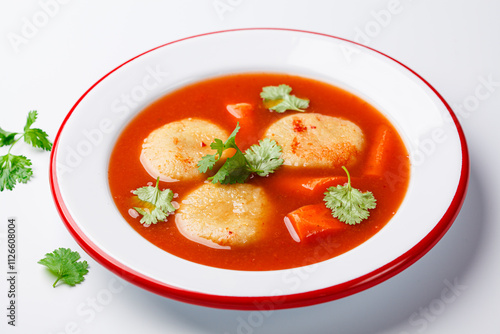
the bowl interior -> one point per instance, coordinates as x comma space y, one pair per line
422, 119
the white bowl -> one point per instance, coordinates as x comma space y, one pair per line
430, 130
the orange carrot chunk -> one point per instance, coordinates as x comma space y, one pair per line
240, 110
378, 153
315, 219
320, 184
305, 185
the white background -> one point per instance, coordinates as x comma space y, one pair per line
452, 44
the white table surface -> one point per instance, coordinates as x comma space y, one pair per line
453, 44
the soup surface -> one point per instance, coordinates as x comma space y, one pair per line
287, 189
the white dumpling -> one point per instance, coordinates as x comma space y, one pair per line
315, 140
172, 151
221, 216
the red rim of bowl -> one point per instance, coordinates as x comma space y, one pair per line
268, 302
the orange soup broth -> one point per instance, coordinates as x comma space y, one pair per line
277, 249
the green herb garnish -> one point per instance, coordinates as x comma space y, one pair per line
65, 265
349, 205
278, 98
261, 159
265, 157
158, 203
234, 169
16, 168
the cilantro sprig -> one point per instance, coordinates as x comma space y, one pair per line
278, 98
17, 168
158, 203
64, 264
262, 159
234, 169
348, 204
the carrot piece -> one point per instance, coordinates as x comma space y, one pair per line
311, 220
378, 153
240, 110
304, 185
320, 184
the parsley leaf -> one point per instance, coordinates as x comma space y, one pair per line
349, 205
265, 157
261, 159
278, 98
64, 264
16, 168
160, 201
13, 169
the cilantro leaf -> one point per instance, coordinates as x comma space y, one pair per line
349, 205
231, 141
265, 157
234, 170
32, 116
7, 138
13, 169
64, 264
37, 138
218, 145
161, 200
151, 217
278, 98
208, 161
275, 92
261, 159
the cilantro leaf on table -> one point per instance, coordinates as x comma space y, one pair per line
32, 116
265, 157
64, 263
349, 205
7, 138
261, 159
16, 168
35, 137
278, 98
158, 203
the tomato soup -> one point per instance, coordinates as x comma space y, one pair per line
287, 188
